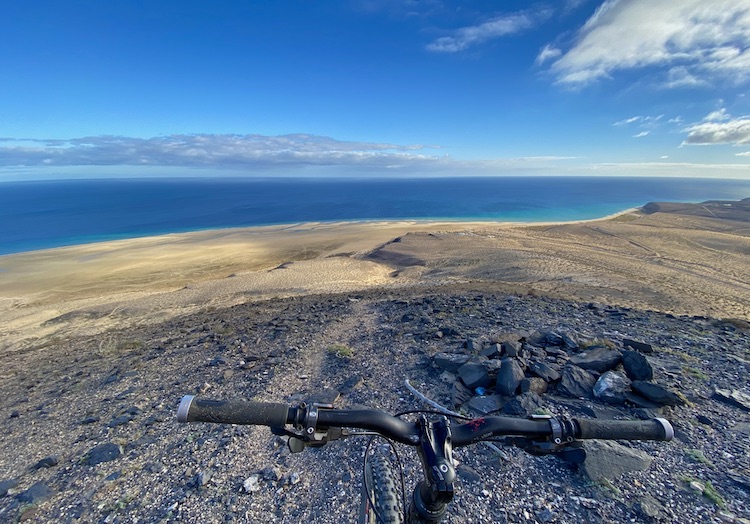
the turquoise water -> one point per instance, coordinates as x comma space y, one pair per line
45, 214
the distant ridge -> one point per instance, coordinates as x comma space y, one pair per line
723, 209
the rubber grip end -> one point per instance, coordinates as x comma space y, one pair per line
184, 408
668, 429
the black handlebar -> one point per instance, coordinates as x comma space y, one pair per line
275, 415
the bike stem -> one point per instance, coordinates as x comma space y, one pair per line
432, 496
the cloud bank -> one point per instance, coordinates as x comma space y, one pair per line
201, 150
694, 41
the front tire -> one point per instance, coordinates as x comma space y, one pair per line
380, 482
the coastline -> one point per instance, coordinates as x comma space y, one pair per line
685, 265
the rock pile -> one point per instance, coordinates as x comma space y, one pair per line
508, 373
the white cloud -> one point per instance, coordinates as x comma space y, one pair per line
736, 132
626, 121
644, 121
497, 27
547, 53
641, 134
719, 115
664, 157
744, 153
694, 41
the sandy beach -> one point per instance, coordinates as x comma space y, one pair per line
667, 262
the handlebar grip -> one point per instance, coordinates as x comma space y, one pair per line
193, 409
653, 429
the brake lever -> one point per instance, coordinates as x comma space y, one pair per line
572, 452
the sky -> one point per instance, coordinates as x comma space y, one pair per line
374, 88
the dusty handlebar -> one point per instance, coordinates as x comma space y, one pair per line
278, 415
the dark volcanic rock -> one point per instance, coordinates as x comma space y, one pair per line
474, 375
609, 460
46, 462
612, 388
542, 370
636, 366
598, 359
534, 384
460, 394
511, 349
734, 398
656, 393
509, 377
103, 453
492, 351
576, 382
638, 346
486, 405
6, 485
523, 405
451, 361
38, 492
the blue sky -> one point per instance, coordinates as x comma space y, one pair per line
374, 87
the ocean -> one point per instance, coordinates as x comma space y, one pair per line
46, 214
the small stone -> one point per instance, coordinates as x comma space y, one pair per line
251, 484
650, 508
15, 413
293, 478
46, 462
271, 473
638, 346
7, 485
546, 515
204, 477
103, 453
37, 493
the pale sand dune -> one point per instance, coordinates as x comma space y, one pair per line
667, 262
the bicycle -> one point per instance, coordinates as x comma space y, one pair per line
432, 434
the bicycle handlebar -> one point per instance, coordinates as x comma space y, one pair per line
276, 415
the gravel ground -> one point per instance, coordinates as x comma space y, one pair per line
89, 431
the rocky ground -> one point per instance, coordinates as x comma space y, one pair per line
89, 431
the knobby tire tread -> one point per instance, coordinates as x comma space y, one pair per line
385, 493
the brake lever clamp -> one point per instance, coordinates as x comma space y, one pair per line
561, 442
307, 433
